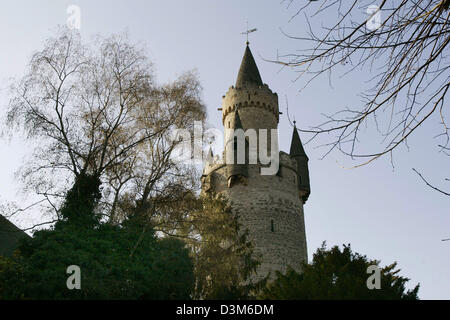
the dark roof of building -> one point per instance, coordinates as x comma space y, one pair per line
10, 236
296, 145
248, 72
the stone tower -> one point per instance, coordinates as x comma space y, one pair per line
269, 206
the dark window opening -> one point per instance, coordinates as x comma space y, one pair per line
271, 226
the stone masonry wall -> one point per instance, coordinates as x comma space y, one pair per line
271, 209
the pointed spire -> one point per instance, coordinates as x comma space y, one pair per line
248, 72
296, 145
237, 121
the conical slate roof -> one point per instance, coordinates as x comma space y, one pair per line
237, 121
296, 145
248, 73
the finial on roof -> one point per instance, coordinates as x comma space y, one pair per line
247, 33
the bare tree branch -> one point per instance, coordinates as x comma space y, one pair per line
428, 184
408, 52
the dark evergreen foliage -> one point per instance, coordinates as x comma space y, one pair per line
338, 275
112, 265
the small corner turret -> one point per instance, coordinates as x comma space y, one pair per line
237, 172
298, 153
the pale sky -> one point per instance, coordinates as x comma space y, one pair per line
385, 213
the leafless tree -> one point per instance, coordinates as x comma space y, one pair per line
158, 182
406, 52
95, 109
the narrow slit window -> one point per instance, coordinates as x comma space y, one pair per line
271, 226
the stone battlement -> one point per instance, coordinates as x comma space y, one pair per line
286, 176
250, 96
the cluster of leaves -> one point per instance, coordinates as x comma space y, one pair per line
337, 275
159, 269
81, 200
112, 266
212, 259
224, 257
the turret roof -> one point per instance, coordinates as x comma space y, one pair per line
296, 145
237, 121
248, 72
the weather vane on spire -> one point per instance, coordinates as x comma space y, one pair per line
247, 32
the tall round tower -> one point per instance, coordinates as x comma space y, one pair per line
270, 206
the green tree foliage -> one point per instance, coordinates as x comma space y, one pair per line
224, 257
81, 201
158, 269
335, 274
112, 266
